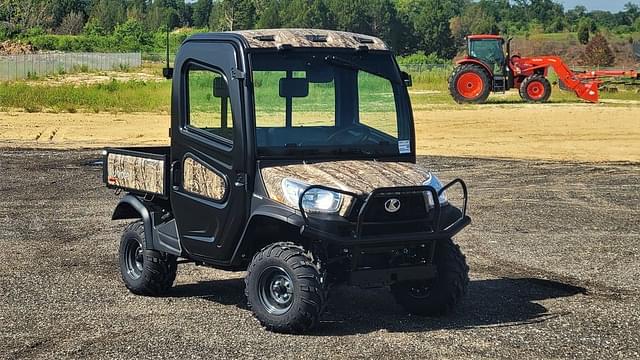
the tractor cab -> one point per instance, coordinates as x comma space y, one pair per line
488, 49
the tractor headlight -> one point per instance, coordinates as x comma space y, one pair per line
435, 183
315, 200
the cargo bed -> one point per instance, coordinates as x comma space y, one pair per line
139, 170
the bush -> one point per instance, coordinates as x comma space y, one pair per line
421, 58
598, 52
131, 35
92, 27
34, 31
8, 31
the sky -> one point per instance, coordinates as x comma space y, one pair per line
610, 5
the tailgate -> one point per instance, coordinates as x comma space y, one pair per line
137, 170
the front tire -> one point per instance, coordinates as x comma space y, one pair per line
535, 89
144, 272
285, 288
440, 295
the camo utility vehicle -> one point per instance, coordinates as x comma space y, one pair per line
292, 157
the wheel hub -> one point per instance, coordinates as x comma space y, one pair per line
535, 90
134, 259
470, 85
276, 290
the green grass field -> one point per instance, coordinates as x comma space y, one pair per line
429, 90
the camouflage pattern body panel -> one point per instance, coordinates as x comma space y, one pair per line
201, 180
305, 37
136, 173
360, 177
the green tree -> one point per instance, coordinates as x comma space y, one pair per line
163, 13
383, 21
232, 15
305, 14
269, 15
474, 20
428, 24
583, 31
350, 15
201, 12
108, 13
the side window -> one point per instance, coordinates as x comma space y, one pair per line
209, 107
199, 179
377, 104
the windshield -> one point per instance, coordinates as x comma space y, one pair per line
316, 103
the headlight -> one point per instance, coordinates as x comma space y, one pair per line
435, 183
315, 200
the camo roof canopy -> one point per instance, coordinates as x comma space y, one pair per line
312, 38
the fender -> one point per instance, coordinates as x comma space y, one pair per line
271, 211
130, 207
476, 62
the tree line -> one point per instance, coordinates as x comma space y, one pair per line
431, 27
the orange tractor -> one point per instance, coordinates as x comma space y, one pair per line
487, 68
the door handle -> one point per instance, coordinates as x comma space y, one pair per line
175, 175
241, 180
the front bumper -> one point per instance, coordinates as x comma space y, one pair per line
357, 246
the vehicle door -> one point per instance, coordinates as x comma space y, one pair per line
207, 150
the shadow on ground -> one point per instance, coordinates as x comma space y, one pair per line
489, 303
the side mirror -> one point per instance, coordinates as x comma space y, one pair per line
406, 78
294, 87
220, 88
167, 72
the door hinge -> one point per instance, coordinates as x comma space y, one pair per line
237, 74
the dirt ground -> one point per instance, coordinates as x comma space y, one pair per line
569, 132
553, 250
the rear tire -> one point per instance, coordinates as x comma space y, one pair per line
440, 295
469, 84
144, 272
285, 288
535, 89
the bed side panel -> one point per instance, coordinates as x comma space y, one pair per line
137, 173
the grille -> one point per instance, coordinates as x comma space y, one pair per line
412, 216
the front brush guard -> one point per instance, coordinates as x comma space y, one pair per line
436, 231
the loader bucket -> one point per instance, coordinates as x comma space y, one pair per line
588, 91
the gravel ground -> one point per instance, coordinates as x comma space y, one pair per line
553, 250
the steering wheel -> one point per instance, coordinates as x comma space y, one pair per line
364, 133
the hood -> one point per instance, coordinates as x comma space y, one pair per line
356, 176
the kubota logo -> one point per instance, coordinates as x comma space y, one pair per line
392, 205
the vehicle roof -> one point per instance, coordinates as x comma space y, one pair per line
485, 37
309, 38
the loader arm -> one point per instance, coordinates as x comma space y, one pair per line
586, 89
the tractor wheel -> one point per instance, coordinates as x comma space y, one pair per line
469, 83
286, 288
535, 89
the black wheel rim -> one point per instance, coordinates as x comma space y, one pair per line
133, 258
275, 289
419, 291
